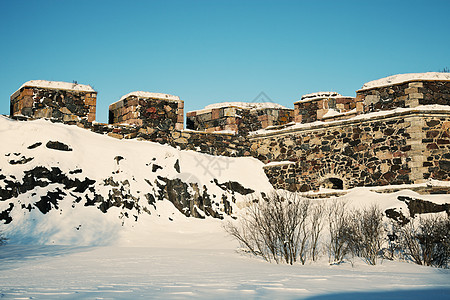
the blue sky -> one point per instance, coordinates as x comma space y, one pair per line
214, 51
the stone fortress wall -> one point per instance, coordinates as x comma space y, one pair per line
238, 117
395, 131
57, 100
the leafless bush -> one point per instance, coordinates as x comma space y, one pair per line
426, 241
364, 233
337, 220
275, 228
317, 224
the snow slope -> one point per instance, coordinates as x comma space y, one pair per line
77, 251
103, 185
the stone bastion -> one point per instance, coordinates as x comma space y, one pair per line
395, 131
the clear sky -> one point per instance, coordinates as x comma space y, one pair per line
215, 51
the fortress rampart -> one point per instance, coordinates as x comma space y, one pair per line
395, 131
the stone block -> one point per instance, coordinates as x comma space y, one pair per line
180, 104
191, 114
68, 118
415, 84
91, 117
371, 99
65, 110
263, 118
321, 113
416, 96
411, 90
179, 126
229, 112
180, 119
231, 127
27, 92
115, 135
90, 101
231, 121
215, 113
181, 140
359, 106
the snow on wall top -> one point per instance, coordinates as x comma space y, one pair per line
244, 105
319, 95
149, 95
401, 78
58, 85
142, 94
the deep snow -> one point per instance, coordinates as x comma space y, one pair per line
176, 258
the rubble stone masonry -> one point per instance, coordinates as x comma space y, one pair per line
396, 148
407, 94
237, 119
60, 104
148, 111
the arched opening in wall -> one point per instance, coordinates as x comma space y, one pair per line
333, 183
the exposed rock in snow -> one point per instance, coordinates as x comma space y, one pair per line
400, 78
59, 85
83, 178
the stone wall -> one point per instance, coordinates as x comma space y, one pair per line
237, 119
153, 112
373, 151
325, 106
406, 94
59, 104
223, 144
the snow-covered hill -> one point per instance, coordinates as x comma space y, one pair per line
66, 185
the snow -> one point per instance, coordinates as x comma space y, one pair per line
331, 113
141, 94
176, 258
243, 105
279, 163
401, 78
95, 155
59, 85
319, 95
195, 259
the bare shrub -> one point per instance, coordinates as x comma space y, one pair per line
364, 233
337, 219
275, 228
426, 241
317, 224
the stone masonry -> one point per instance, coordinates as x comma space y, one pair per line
154, 110
325, 106
240, 118
405, 94
372, 151
68, 102
393, 133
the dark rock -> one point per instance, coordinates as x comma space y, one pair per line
396, 215
234, 186
58, 146
5, 215
50, 200
419, 206
156, 167
35, 145
177, 166
23, 160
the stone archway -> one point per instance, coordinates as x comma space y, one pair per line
333, 183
